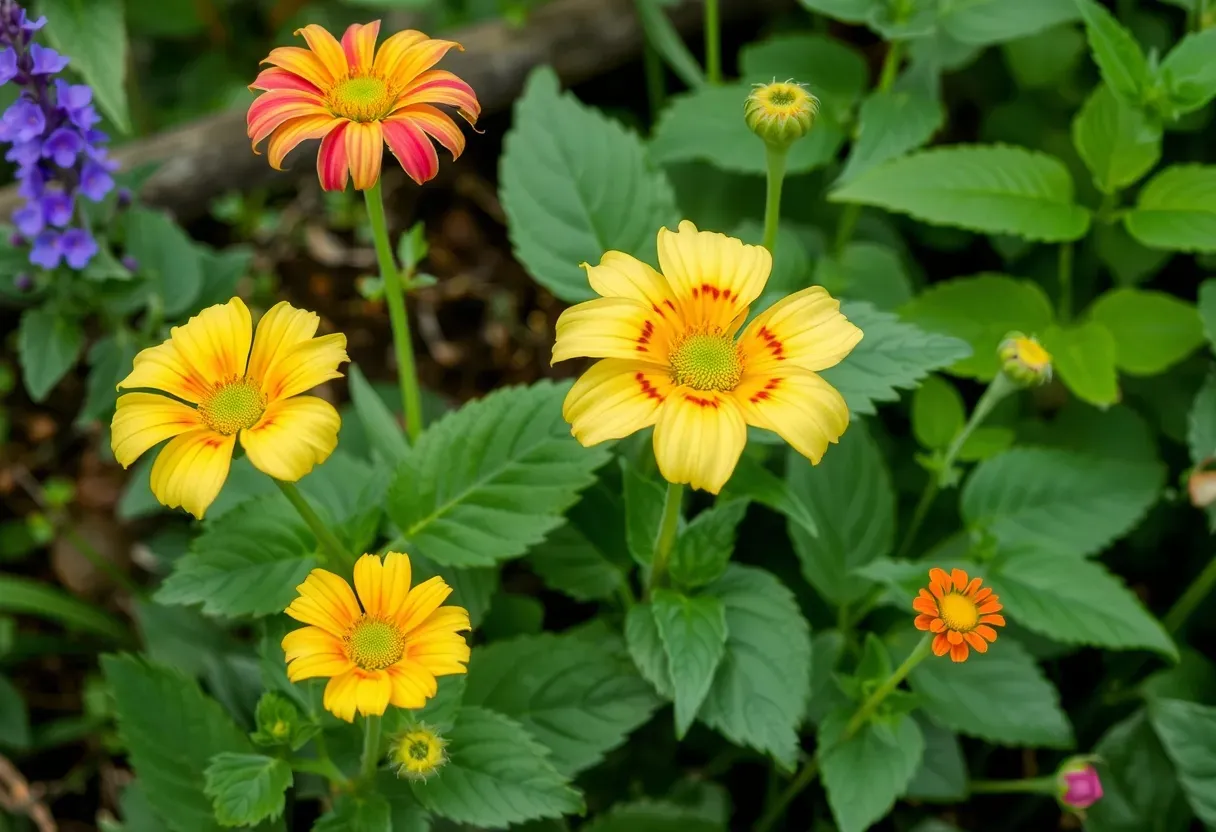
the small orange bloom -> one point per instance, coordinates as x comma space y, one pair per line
959, 612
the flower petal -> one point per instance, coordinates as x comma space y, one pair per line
621, 275
326, 47
390, 53
292, 436
272, 109
938, 626
973, 588
698, 438
438, 86
954, 637
325, 601
340, 695
296, 130
277, 78
435, 123
990, 606
287, 359
141, 420
941, 645
805, 329
303, 63
190, 470
382, 585
413, 149
373, 693
927, 606
423, 600
995, 620
940, 579
359, 44
316, 665
412, 684
797, 405
400, 66
977, 643
614, 399
332, 166
714, 277
281, 328
960, 578
923, 622
364, 152
309, 641
612, 328
959, 652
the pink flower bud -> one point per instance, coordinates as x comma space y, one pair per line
1079, 786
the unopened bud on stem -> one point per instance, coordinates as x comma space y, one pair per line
780, 113
1024, 360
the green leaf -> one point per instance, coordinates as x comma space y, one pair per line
1176, 209
850, 11
850, 496
280, 723
1085, 359
1040, 61
707, 125
890, 124
245, 563
168, 256
693, 633
14, 717
981, 310
357, 813
1187, 731
30, 597
587, 558
995, 189
1190, 72
1119, 58
938, 413
222, 270
1076, 601
646, 648
942, 775
758, 696
704, 547
171, 731
1153, 331
1000, 696
490, 480
1117, 141
1201, 423
48, 345
247, 788
661, 34
579, 698
865, 271
378, 420
892, 355
985, 22
1060, 501
651, 816
93, 35
496, 774
575, 184
1207, 309
109, 363
1130, 262
1140, 789
866, 773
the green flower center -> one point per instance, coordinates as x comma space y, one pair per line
707, 361
781, 97
361, 99
374, 644
958, 612
235, 405
419, 750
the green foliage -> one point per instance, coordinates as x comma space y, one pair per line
280, 723
1117, 141
1176, 209
1152, 330
247, 788
378, 420
14, 717
1085, 357
703, 548
29, 597
937, 413
891, 123
942, 775
168, 256
1117, 54
652, 816
93, 35
48, 345
864, 774
692, 631
1138, 780
1187, 731
587, 557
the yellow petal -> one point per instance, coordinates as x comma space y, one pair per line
423, 600
714, 277
390, 53
798, 405
304, 366
292, 436
340, 695
615, 398
698, 438
311, 641
412, 685
190, 470
364, 152
281, 328
804, 329
317, 665
326, 47
621, 275
374, 690
383, 586
612, 328
144, 419
325, 601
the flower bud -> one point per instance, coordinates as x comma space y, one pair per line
419, 752
1024, 360
23, 282
780, 113
130, 263
17, 240
125, 198
1077, 783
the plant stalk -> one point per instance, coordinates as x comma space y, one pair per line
1030, 785
772, 202
1065, 278
1194, 595
890, 65
325, 537
371, 746
713, 43
668, 526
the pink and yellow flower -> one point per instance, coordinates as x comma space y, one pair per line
356, 99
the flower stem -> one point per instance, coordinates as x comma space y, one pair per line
1030, 785
1195, 593
325, 537
884, 690
918, 517
845, 226
656, 84
1065, 278
322, 766
667, 533
103, 564
772, 203
713, 42
407, 373
805, 776
371, 746
890, 65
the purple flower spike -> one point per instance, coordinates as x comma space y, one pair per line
57, 208
31, 181
46, 251
23, 121
25, 153
47, 61
8, 65
78, 247
63, 145
28, 219
28, 25
95, 180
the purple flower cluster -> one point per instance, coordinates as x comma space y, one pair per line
59, 153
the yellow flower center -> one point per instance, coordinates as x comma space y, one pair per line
374, 644
1031, 353
364, 98
419, 753
958, 612
781, 101
707, 361
235, 405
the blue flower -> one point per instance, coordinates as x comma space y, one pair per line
78, 247
77, 101
57, 208
62, 146
95, 180
22, 121
8, 65
47, 61
28, 219
25, 153
28, 25
46, 251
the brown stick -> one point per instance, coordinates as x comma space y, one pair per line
17, 796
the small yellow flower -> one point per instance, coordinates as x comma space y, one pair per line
780, 113
671, 358
959, 611
1024, 360
419, 752
231, 390
388, 651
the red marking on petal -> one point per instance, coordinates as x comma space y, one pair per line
649, 389
669, 304
277, 78
700, 402
412, 148
332, 166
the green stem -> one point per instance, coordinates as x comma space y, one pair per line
371, 746
918, 517
998, 389
884, 690
805, 776
890, 65
656, 85
1030, 785
845, 226
407, 373
713, 43
103, 564
325, 537
1065, 277
668, 525
1195, 593
322, 766
772, 203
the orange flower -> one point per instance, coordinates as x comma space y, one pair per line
959, 612
356, 99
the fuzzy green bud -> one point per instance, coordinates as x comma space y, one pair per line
1024, 360
780, 113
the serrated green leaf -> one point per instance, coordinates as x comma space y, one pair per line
247, 788
1201, 423
1207, 309
575, 184
378, 420
1077, 601
581, 700
986, 22
109, 363
892, 355
168, 256
1000, 696
490, 480
1140, 789
1153, 331
1119, 58
891, 123
1084, 357
1042, 60
1190, 72
357, 813
938, 413
850, 496
48, 345
693, 633
171, 731
646, 648
866, 773
93, 35
758, 696
704, 546
1187, 731
1118, 143
1176, 209
496, 775
865, 271
995, 189
980, 310
1059, 501
942, 775
588, 557
652, 816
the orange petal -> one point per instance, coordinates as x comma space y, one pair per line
303, 63
960, 579
926, 605
277, 78
938, 626
296, 130
359, 44
954, 636
982, 594
414, 151
978, 643
404, 65
941, 579
986, 632
922, 622
436, 124
332, 167
973, 587
797, 405
438, 86
364, 152
997, 620
615, 398
390, 53
941, 645
959, 652
990, 606
273, 108
326, 48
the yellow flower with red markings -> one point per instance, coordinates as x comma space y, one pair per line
356, 99
385, 646
223, 386
671, 357
959, 612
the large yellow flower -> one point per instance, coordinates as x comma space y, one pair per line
671, 358
230, 390
386, 653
